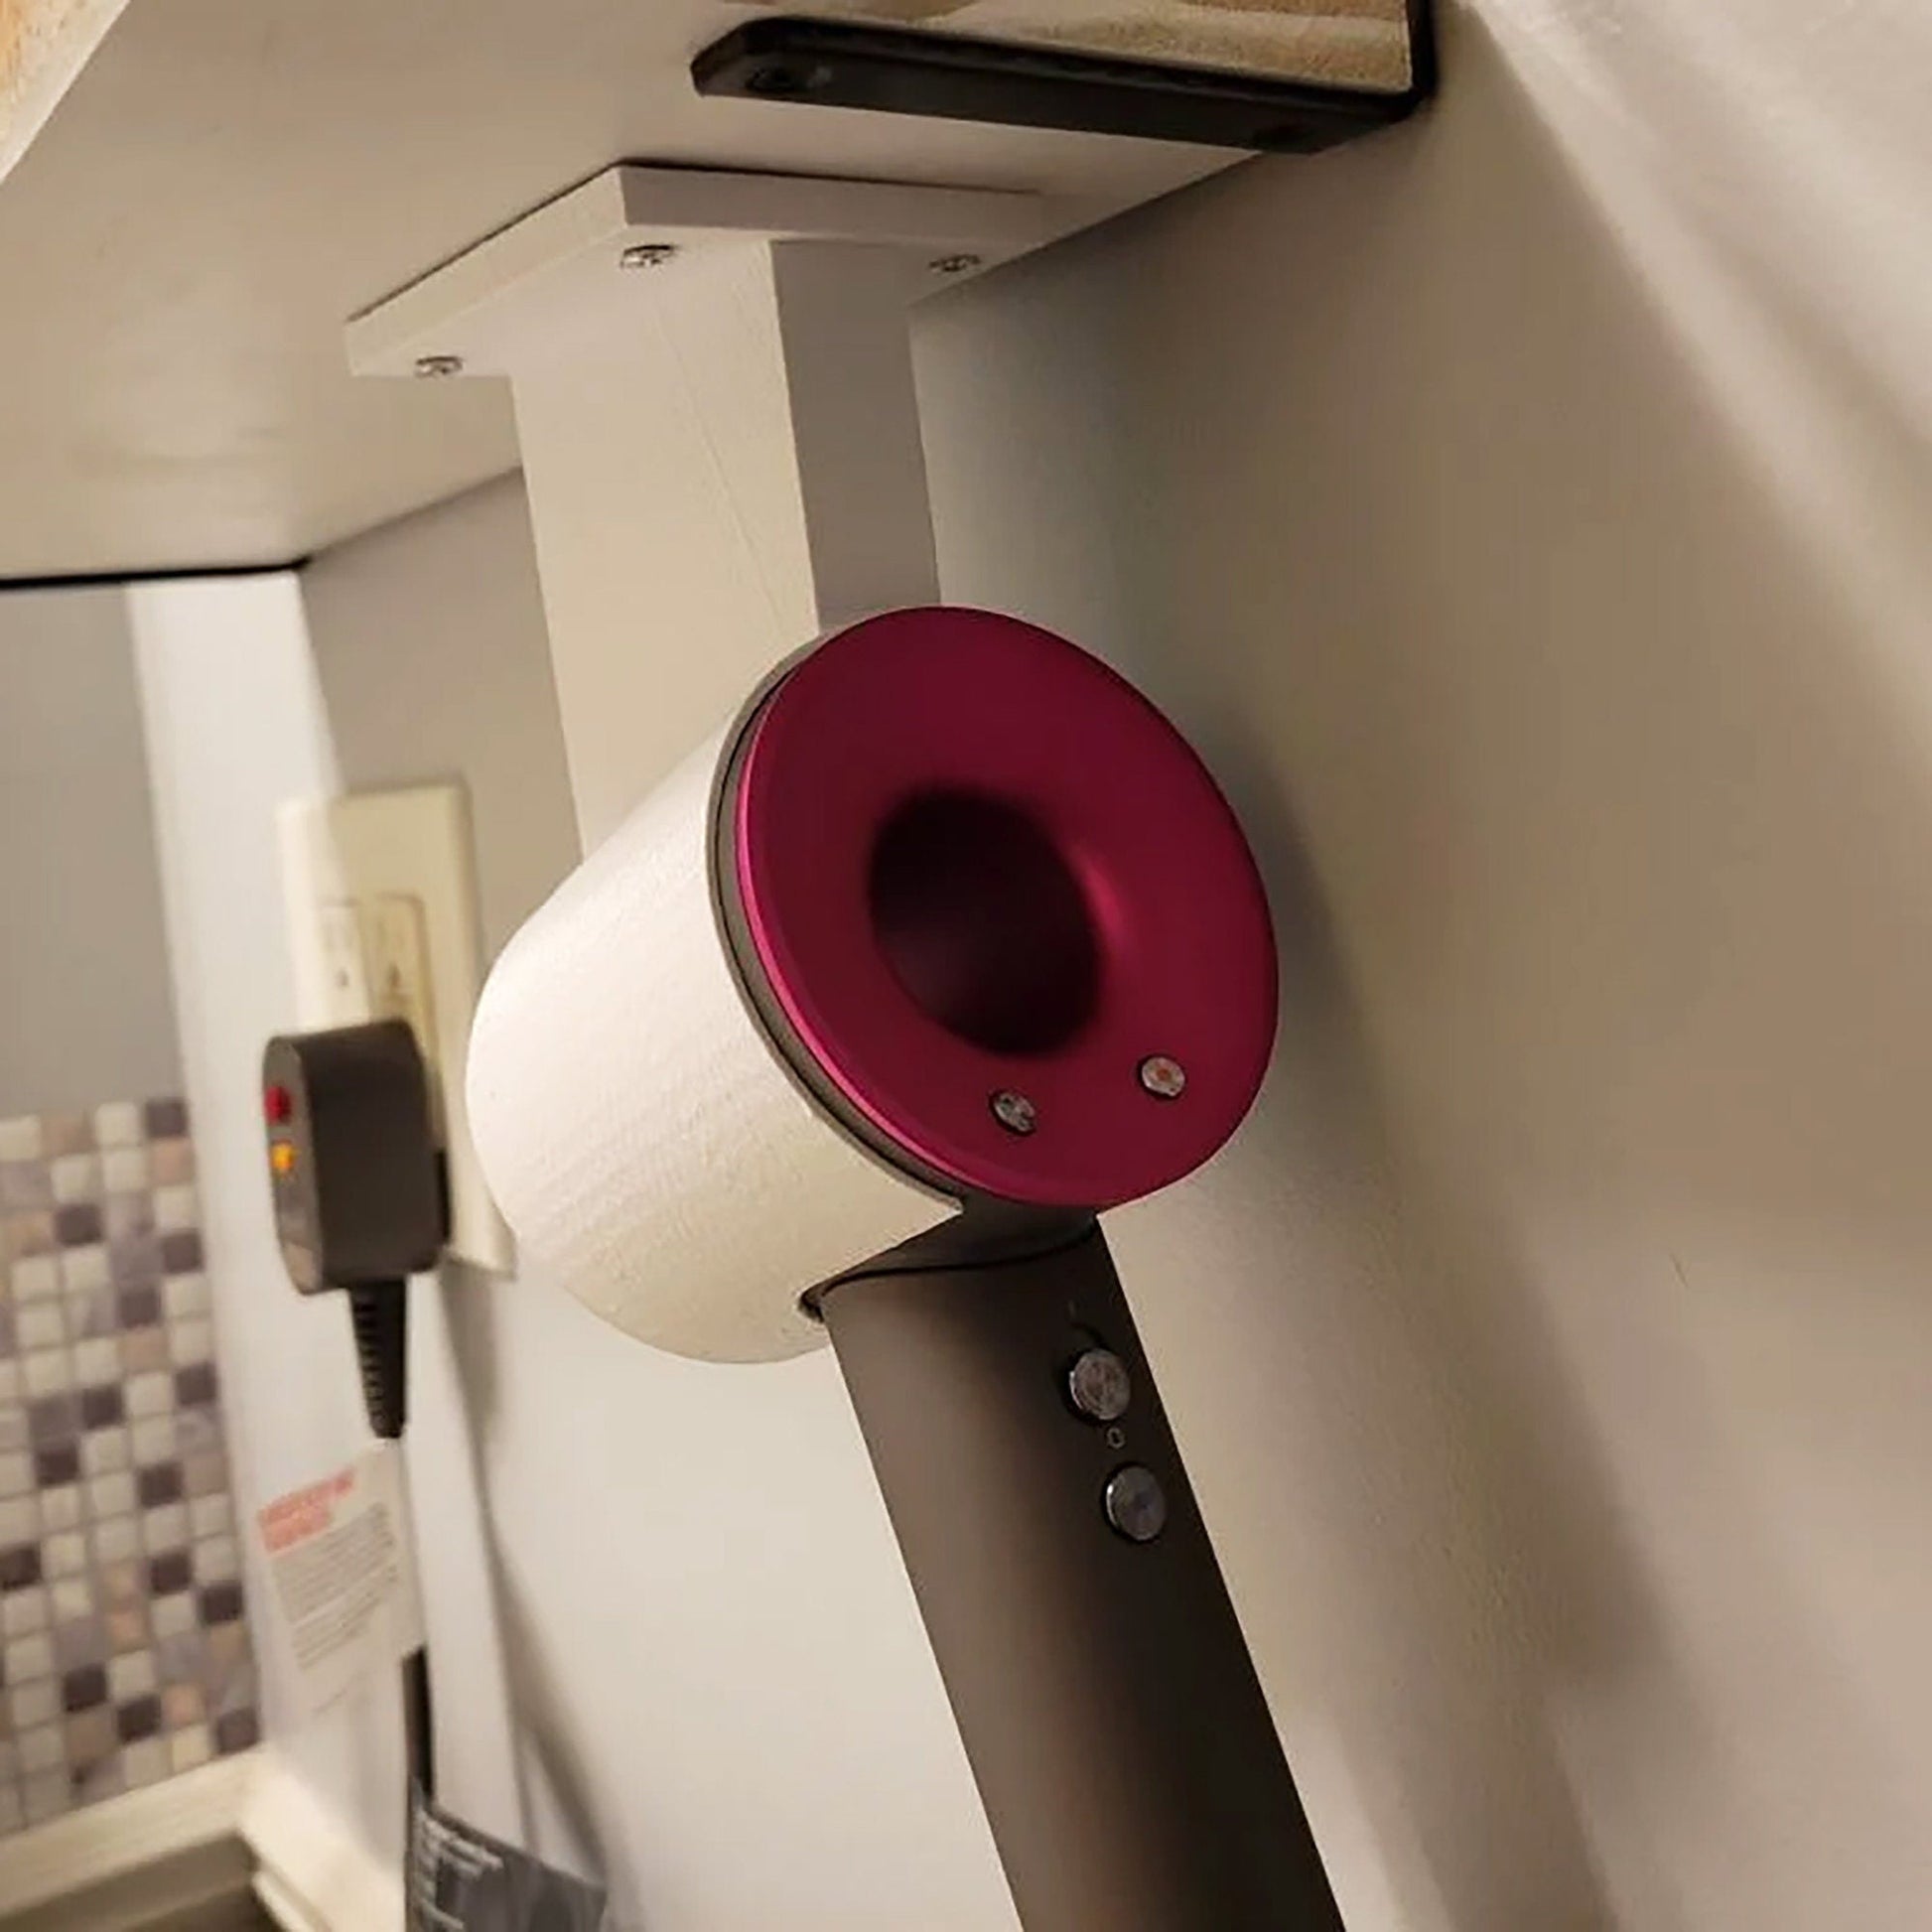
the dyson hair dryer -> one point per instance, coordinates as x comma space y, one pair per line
945, 944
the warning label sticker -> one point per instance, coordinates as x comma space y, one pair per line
344, 1582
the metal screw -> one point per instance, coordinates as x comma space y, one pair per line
1136, 1504
1100, 1385
957, 264
1165, 1078
648, 254
1015, 1112
437, 365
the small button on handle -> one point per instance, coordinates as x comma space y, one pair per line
1099, 1385
1136, 1504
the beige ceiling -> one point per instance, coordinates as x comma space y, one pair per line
230, 180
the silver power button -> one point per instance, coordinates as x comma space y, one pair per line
1136, 1504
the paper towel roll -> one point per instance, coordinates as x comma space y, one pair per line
650, 1149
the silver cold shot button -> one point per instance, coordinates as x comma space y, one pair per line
1136, 1504
1099, 1385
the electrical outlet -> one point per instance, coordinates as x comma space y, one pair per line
399, 976
381, 897
345, 963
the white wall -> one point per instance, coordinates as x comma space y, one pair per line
86, 1013
234, 725
1525, 513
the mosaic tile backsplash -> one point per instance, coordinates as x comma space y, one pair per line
123, 1654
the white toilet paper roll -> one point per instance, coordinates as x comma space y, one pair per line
651, 1150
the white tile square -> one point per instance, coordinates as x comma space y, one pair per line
118, 1541
210, 1516
118, 1124
112, 1495
165, 1528
40, 1748
28, 1658
124, 1171
76, 1176
13, 1811
65, 1555
20, 1138
97, 1361
23, 1612
150, 1395
104, 1451
36, 1275
60, 1508
190, 1747
177, 1210
38, 1703
186, 1296
71, 1598
9, 1380
192, 1341
19, 1521
48, 1371
131, 1676
16, 1475
40, 1324
85, 1269
154, 1440
216, 1561
145, 1762
172, 1616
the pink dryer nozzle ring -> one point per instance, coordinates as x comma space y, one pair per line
998, 911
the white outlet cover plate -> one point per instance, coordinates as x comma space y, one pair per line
357, 851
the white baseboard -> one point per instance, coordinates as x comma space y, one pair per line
314, 1874
108, 1841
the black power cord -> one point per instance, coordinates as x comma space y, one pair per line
379, 1313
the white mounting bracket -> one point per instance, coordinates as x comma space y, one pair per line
713, 381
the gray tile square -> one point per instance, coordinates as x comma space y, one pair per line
180, 1253
170, 1574
81, 1643
167, 1120
238, 1731
105, 1406
194, 1385
20, 1567
139, 1720
134, 1262
95, 1314
161, 1483
85, 1689
221, 1603
77, 1225
54, 1418
24, 1185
